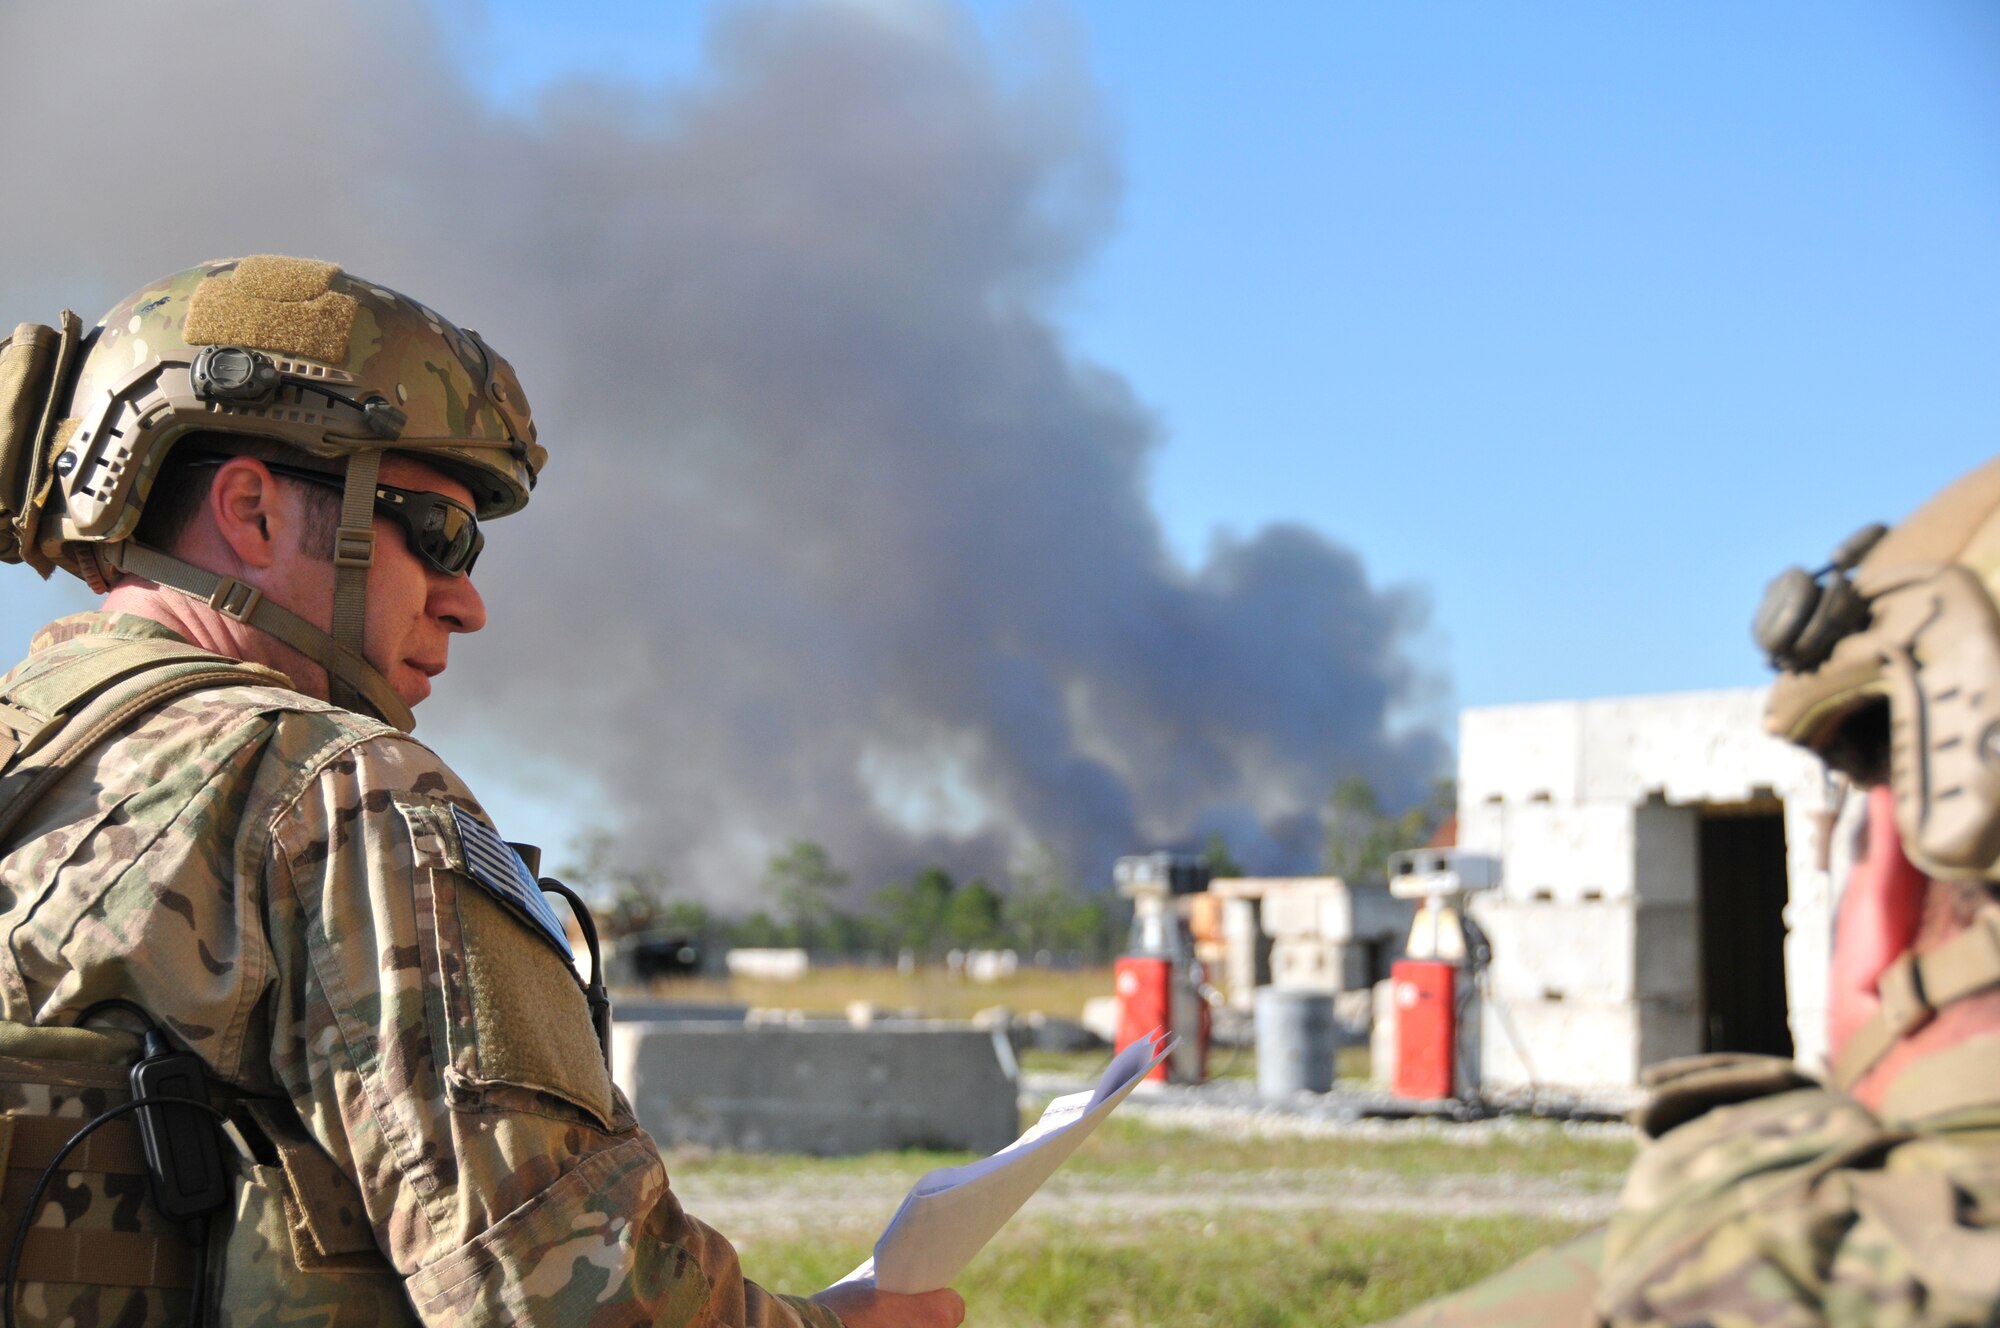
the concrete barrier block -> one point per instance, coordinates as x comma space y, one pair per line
1692, 747
1046, 1032
1559, 951
1668, 1028
767, 965
1100, 1016
1567, 854
1523, 753
1309, 908
1382, 1038
1666, 844
825, 1089
991, 965
1667, 947
1559, 1044
653, 1010
1328, 909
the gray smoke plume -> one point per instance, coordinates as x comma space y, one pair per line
837, 539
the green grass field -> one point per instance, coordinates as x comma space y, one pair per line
1225, 1271
1156, 1226
1150, 1225
1130, 1148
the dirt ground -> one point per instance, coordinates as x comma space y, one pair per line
799, 1202
1199, 1158
805, 1195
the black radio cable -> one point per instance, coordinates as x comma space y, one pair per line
594, 993
132, 1008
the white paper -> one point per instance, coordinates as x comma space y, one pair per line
950, 1214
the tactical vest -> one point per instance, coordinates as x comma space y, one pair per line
296, 1244
1754, 1167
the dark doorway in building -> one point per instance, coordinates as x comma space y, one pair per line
1743, 893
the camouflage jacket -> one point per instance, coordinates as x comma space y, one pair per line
1766, 1198
285, 885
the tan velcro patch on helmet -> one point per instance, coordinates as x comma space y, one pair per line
273, 277
283, 305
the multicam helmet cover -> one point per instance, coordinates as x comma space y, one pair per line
329, 345
289, 350
1922, 638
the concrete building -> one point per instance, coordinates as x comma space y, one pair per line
1304, 933
1665, 886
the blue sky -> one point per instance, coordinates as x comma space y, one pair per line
1586, 319
1581, 320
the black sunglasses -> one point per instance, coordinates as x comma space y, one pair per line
440, 530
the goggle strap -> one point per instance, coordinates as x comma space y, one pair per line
353, 552
354, 545
349, 671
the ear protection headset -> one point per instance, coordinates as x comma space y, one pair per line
1806, 614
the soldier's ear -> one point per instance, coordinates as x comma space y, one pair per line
244, 504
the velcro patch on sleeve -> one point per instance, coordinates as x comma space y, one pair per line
528, 1012
491, 863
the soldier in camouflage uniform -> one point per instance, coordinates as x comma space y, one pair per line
210, 808
1765, 1195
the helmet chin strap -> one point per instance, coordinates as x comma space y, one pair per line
353, 554
349, 674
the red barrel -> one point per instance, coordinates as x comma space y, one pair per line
1144, 985
1426, 1027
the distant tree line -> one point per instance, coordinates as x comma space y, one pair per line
1361, 833
1042, 908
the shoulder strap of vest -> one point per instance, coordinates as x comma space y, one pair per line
1693, 1086
1916, 986
52, 714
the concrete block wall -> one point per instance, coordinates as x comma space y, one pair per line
1593, 808
1584, 994
1520, 754
1809, 912
1565, 853
822, 1088
1329, 909
1571, 1045
1246, 953
1310, 964
1688, 746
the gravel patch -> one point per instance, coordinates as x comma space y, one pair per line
850, 1205
1234, 1109
803, 1203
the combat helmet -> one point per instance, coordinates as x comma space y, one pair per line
1902, 624
280, 349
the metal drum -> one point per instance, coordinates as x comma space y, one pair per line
1296, 1038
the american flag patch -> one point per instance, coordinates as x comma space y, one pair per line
499, 868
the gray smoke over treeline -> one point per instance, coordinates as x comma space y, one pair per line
837, 540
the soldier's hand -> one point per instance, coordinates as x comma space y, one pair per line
860, 1305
